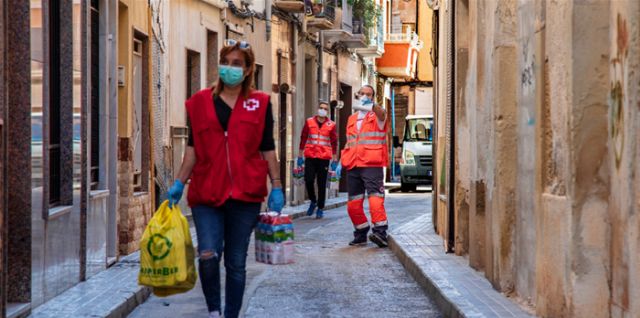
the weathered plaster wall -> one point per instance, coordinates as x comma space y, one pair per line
529, 16
425, 32
442, 86
133, 210
188, 24
624, 143
547, 96
589, 186
462, 162
501, 169
132, 15
552, 261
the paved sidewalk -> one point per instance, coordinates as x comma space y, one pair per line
111, 293
458, 290
115, 292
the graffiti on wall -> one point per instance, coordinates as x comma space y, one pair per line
528, 80
617, 98
527, 30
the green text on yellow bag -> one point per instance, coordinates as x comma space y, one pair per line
164, 259
187, 285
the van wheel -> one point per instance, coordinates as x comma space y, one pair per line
407, 187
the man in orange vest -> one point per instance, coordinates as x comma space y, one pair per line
318, 142
364, 157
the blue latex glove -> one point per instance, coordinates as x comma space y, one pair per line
300, 162
175, 193
276, 200
338, 170
364, 104
334, 165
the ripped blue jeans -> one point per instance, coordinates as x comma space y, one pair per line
224, 232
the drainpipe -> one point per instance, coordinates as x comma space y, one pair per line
320, 64
452, 138
268, 18
294, 99
393, 133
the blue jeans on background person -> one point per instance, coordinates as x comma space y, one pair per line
227, 227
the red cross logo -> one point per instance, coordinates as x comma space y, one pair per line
251, 104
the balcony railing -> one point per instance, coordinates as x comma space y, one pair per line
321, 13
379, 38
407, 37
375, 45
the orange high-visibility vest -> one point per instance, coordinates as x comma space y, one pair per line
319, 139
367, 147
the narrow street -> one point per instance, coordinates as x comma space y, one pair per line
329, 277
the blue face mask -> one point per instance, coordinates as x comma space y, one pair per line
364, 99
231, 75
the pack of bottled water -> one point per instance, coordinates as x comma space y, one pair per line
334, 180
298, 175
274, 239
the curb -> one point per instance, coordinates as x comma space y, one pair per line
448, 307
112, 293
136, 299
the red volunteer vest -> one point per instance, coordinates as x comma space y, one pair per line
367, 147
319, 140
228, 165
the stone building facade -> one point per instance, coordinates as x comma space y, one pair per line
93, 128
55, 216
135, 105
537, 149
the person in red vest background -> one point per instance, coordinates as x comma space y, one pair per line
318, 143
230, 152
364, 157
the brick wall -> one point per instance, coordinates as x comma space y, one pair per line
134, 210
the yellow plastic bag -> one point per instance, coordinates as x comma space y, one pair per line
191, 270
166, 253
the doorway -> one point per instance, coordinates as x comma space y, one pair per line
193, 73
141, 134
282, 150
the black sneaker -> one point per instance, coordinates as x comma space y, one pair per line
379, 238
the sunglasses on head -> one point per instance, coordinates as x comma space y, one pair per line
242, 44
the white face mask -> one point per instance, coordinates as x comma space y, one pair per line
322, 112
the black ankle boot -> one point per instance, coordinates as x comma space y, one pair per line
359, 237
379, 236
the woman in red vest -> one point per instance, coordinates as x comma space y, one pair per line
229, 155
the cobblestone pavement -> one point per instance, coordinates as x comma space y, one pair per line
329, 278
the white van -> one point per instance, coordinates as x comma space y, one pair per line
416, 166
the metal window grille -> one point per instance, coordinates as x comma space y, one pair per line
95, 96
